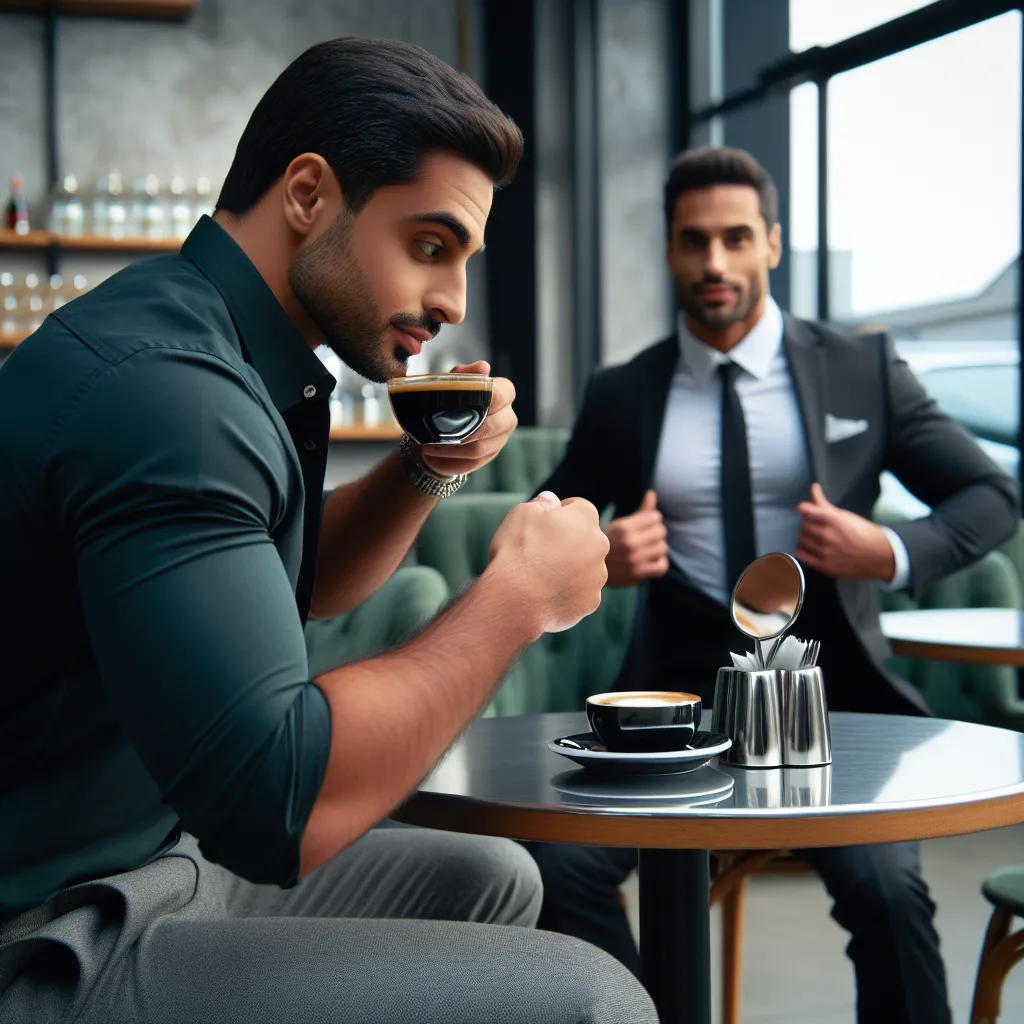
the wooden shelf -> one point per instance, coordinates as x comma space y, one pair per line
387, 433
97, 243
9, 341
162, 10
42, 240
33, 240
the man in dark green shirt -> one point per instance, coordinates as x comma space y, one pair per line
162, 452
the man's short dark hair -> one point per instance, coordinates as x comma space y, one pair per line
373, 109
720, 165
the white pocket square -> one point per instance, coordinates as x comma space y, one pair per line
837, 429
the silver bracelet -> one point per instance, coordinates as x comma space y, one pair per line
422, 478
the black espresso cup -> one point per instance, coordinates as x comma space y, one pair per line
643, 721
441, 408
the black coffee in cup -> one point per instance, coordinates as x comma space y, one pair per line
441, 408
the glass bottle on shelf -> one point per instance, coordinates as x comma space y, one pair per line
16, 217
204, 198
181, 211
79, 286
57, 208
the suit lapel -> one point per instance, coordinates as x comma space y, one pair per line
806, 358
652, 394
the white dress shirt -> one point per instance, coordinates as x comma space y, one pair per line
687, 468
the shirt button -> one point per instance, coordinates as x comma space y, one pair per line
310, 446
309, 391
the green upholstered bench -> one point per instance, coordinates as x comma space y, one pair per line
525, 462
561, 669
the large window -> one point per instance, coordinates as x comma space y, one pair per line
824, 22
923, 162
923, 181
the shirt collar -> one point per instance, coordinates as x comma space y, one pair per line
279, 353
755, 353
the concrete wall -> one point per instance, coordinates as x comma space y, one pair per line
635, 143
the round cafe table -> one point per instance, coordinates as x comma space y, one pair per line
971, 636
891, 779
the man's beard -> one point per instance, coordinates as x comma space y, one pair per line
334, 292
690, 304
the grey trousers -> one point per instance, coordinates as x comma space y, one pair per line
406, 925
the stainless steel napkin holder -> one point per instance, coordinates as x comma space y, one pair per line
775, 717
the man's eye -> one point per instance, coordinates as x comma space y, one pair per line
430, 249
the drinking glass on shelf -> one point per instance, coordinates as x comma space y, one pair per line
154, 224
116, 208
32, 304
67, 215
8, 306
180, 209
203, 205
56, 297
370, 406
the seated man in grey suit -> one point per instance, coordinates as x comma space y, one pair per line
186, 817
750, 431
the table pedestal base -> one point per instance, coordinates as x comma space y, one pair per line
675, 933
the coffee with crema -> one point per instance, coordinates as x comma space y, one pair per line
644, 700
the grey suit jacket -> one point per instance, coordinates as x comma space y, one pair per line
611, 455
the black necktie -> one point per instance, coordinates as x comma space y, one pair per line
737, 501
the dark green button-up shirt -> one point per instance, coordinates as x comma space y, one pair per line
158, 440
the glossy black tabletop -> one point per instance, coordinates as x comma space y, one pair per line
891, 778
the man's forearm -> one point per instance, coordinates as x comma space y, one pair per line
393, 716
368, 527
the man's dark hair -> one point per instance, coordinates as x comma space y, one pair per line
372, 108
720, 165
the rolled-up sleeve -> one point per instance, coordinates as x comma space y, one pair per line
173, 483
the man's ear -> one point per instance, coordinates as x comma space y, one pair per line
309, 191
775, 246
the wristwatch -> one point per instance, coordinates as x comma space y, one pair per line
422, 478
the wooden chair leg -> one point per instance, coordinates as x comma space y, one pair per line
992, 970
732, 953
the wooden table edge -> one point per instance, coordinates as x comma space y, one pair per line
452, 814
958, 653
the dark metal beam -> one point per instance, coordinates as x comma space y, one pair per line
509, 59
52, 116
50, 105
754, 34
1020, 320
586, 195
824, 262
913, 29
678, 57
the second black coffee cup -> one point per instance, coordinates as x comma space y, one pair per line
644, 721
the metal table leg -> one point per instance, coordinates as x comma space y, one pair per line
675, 933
